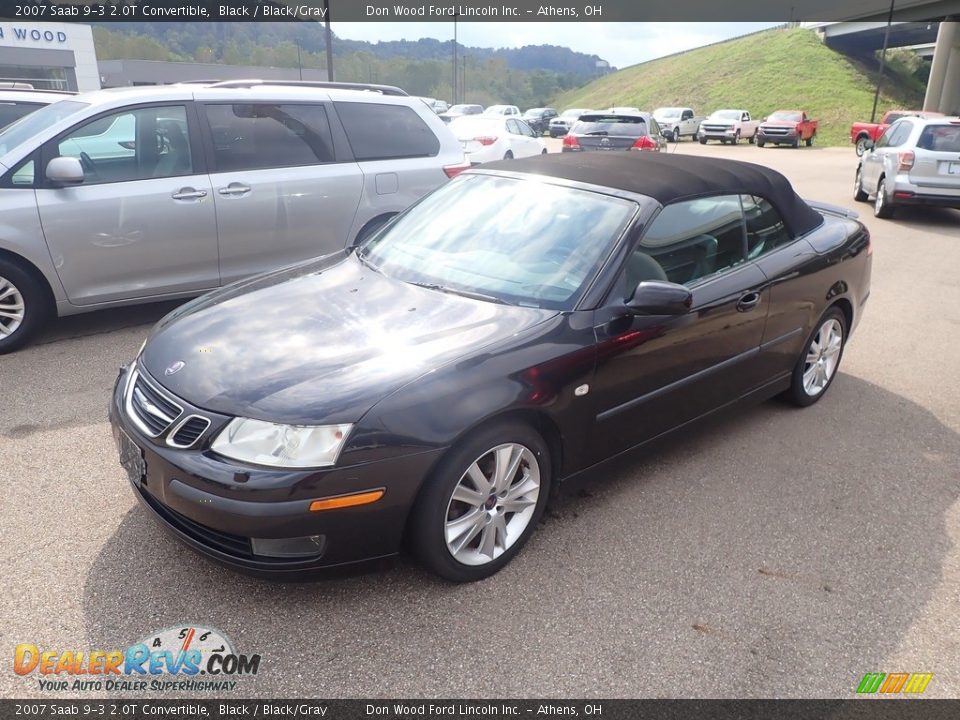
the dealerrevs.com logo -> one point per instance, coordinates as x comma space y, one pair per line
180, 658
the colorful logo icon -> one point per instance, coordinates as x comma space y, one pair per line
893, 683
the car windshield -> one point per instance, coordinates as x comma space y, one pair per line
534, 112
613, 125
517, 241
573, 113
36, 122
727, 115
463, 108
786, 116
497, 109
470, 125
667, 112
893, 117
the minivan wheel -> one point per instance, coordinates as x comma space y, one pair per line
882, 208
861, 146
858, 194
482, 502
23, 306
817, 366
508, 155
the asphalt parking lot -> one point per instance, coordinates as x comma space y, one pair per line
775, 552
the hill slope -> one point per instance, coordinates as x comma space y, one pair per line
767, 71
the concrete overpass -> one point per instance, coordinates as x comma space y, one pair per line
932, 36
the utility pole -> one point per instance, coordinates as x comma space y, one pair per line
456, 70
299, 61
329, 40
883, 61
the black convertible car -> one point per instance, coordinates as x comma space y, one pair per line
518, 326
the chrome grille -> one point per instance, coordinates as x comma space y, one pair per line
775, 130
188, 431
715, 128
151, 409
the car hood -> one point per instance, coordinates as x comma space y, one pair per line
781, 123
320, 342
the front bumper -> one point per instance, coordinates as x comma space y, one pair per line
716, 134
788, 138
229, 512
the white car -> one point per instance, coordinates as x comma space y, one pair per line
504, 110
495, 137
728, 126
624, 110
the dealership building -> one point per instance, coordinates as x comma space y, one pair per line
49, 56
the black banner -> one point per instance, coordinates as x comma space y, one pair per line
854, 709
468, 10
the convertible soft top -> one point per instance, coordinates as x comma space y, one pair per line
668, 178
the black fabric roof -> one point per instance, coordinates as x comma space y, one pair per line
667, 178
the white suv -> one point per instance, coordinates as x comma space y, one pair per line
142, 194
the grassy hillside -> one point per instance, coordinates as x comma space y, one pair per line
776, 69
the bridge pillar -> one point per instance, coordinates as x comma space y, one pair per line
943, 87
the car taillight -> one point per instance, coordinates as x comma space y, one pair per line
569, 141
454, 170
644, 142
905, 160
486, 140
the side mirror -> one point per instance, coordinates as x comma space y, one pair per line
65, 171
764, 120
658, 297
869, 145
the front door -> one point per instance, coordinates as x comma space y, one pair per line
142, 222
655, 373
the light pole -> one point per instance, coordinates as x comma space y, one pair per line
456, 70
883, 61
328, 40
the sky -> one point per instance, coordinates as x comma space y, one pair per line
621, 44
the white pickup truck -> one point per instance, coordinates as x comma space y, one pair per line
728, 126
677, 122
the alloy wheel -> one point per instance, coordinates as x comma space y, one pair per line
492, 504
11, 308
823, 356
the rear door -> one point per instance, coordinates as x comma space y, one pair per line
873, 162
937, 158
142, 223
282, 193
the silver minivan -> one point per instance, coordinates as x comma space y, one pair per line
915, 162
141, 194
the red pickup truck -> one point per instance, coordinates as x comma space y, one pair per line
862, 132
787, 127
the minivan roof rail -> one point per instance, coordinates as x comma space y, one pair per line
382, 89
27, 87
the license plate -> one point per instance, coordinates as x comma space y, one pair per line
953, 168
131, 459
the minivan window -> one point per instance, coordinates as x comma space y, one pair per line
36, 122
381, 132
139, 144
12, 111
611, 125
251, 136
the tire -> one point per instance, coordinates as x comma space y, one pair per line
858, 194
796, 142
760, 143
882, 207
24, 306
676, 135
809, 140
861, 145
753, 139
808, 385
703, 141
482, 550
508, 155
543, 152
736, 138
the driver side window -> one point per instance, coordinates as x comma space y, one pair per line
687, 242
132, 145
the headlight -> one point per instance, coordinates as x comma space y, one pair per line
288, 446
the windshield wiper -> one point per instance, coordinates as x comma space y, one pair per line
598, 132
361, 256
464, 293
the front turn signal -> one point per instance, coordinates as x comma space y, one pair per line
344, 501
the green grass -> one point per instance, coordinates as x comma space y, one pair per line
767, 71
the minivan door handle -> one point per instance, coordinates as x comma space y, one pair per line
234, 188
748, 301
188, 193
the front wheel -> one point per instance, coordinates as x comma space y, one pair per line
821, 357
482, 503
809, 140
858, 194
508, 155
736, 139
861, 146
24, 306
760, 143
703, 141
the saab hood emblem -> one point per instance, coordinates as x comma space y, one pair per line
175, 368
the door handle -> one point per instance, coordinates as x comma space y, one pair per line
234, 189
189, 194
748, 301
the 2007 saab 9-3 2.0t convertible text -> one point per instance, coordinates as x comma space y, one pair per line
515, 327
